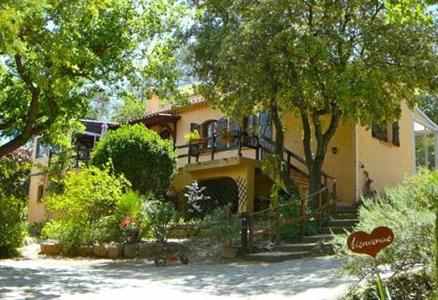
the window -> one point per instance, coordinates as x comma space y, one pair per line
426, 141
387, 131
40, 193
209, 129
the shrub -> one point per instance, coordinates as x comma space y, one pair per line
159, 215
138, 153
221, 225
15, 173
12, 226
406, 209
86, 211
199, 203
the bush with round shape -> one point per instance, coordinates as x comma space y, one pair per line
138, 153
86, 210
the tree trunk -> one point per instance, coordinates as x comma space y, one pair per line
284, 175
315, 161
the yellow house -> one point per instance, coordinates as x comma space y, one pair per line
229, 156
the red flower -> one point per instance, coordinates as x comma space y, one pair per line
126, 221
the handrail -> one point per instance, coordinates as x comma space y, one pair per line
322, 209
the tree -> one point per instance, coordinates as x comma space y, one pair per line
130, 108
15, 174
429, 104
55, 54
138, 153
324, 61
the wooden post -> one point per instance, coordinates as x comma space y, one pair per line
319, 208
213, 142
303, 218
244, 233
189, 153
334, 197
257, 149
239, 151
250, 233
277, 223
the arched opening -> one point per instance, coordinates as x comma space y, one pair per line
165, 134
221, 191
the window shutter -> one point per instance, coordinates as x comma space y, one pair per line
395, 134
222, 126
234, 129
266, 125
380, 131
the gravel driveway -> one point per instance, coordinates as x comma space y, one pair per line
44, 278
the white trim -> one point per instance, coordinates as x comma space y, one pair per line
89, 133
356, 161
95, 121
431, 124
414, 143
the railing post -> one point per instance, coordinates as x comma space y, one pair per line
189, 154
213, 142
319, 208
288, 160
303, 217
257, 149
239, 151
244, 233
277, 223
250, 233
334, 197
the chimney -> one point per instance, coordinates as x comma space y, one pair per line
153, 102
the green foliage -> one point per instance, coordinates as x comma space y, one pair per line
159, 214
324, 61
221, 225
130, 108
428, 104
15, 174
407, 210
192, 136
56, 54
199, 203
138, 153
86, 210
12, 225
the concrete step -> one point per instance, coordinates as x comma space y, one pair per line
342, 222
335, 229
346, 215
295, 247
275, 256
345, 209
317, 238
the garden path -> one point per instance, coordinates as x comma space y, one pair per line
35, 277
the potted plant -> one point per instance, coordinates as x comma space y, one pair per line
193, 137
225, 136
130, 229
222, 226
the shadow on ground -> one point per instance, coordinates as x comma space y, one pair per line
49, 279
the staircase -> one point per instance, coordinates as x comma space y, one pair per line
310, 246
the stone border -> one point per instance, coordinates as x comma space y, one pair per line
111, 250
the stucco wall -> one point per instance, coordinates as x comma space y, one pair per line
339, 165
387, 164
36, 212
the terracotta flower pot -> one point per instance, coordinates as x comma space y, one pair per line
230, 251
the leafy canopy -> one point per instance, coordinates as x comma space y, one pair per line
138, 153
56, 54
325, 61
